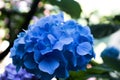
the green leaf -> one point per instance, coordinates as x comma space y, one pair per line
95, 71
116, 18
75, 75
103, 30
98, 69
112, 62
69, 6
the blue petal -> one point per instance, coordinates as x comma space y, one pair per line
69, 27
21, 34
17, 61
83, 38
37, 56
17, 78
37, 32
58, 56
20, 51
13, 52
71, 58
63, 41
45, 51
84, 48
29, 61
62, 72
84, 30
71, 47
47, 27
56, 31
52, 38
58, 46
41, 45
21, 41
30, 44
45, 76
48, 65
66, 40
82, 61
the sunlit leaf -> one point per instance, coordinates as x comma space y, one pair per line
69, 6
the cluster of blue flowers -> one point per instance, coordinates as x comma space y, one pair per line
10, 73
52, 47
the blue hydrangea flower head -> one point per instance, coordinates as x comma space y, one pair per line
10, 73
111, 52
52, 47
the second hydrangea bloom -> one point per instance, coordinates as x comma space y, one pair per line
11, 74
52, 47
110, 52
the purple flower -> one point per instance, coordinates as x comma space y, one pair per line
10, 73
52, 47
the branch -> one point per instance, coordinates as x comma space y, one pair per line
8, 12
30, 14
28, 17
3, 54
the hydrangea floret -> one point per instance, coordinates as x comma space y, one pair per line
10, 73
